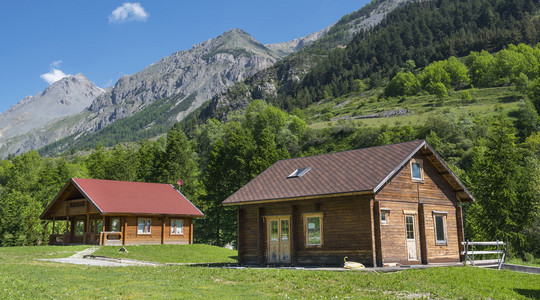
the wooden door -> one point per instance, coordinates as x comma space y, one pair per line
279, 235
411, 237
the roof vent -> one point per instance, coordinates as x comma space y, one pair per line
299, 172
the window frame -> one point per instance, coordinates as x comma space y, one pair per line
443, 215
421, 166
386, 213
305, 218
175, 228
147, 229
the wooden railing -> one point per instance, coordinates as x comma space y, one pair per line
470, 253
111, 238
92, 238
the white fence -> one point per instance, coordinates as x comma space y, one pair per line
471, 251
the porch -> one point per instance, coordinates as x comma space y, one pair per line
88, 230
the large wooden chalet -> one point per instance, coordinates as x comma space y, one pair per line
108, 212
393, 204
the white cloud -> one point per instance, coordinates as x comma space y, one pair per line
128, 12
54, 74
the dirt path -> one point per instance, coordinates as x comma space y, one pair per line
82, 258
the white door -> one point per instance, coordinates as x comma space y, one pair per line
411, 237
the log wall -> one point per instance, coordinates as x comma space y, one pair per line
132, 237
346, 230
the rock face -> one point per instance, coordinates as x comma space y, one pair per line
204, 70
65, 97
198, 74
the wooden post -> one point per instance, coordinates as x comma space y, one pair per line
461, 237
163, 230
240, 218
293, 232
103, 237
372, 232
423, 239
124, 230
261, 236
378, 232
53, 221
191, 231
67, 235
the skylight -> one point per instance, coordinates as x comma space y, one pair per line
299, 172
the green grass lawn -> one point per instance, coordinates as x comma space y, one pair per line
23, 277
204, 254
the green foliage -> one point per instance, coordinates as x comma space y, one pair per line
178, 162
501, 183
480, 68
402, 84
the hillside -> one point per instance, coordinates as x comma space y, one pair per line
420, 32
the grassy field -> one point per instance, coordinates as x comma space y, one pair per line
187, 254
23, 277
421, 107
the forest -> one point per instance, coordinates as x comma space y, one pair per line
497, 156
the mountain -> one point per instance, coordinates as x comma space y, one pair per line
285, 75
190, 77
65, 97
170, 89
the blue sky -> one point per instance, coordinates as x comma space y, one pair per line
105, 39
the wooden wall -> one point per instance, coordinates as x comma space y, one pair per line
346, 231
401, 194
157, 228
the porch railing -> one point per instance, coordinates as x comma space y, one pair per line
92, 238
111, 238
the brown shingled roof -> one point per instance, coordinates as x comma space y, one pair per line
355, 171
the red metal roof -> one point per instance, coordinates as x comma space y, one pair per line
113, 197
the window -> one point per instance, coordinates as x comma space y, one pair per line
96, 225
440, 228
79, 227
313, 229
299, 172
416, 170
144, 226
177, 226
115, 224
385, 215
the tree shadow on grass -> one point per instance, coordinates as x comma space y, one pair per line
529, 293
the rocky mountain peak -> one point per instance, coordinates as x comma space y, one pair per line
67, 96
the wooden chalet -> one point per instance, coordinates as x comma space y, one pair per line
386, 205
108, 212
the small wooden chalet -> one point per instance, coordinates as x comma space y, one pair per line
108, 212
379, 206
